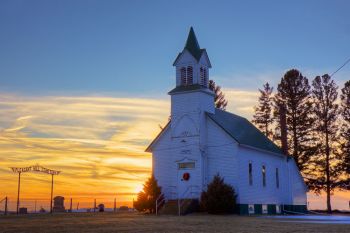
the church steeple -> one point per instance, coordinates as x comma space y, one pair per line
192, 45
192, 64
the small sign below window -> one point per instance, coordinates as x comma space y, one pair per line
278, 209
251, 209
188, 165
264, 209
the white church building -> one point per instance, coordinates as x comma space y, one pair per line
201, 141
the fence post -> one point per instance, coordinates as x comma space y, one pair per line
95, 205
6, 205
71, 203
115, 204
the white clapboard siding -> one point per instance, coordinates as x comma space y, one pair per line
257, 193
222, 155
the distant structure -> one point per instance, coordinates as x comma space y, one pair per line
58, 204
101, 208
200, 141
23, 210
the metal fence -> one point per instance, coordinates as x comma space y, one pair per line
76, 204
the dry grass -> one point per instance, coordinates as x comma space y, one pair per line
135, 222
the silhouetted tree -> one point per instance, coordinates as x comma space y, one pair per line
219, 198
345, 134
146, 199
263, 113
293, 92
325, 162
220, 101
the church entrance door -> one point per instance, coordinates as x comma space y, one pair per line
185, 177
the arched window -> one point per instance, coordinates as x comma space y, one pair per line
263, 175
183, 76
189, 75
277, 178
250, 172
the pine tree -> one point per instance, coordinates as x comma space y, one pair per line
219, 99
263, 113
219, 198
326, 112
293, 92
146, 199
345, 134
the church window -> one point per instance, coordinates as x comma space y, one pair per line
189, 75
203, 76
277, 179
250, 173
188, 165
264, 175
183, 76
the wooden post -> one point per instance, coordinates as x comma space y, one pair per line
95, 205
35, 206
71, 203
51, 193
78, 206
19, 186
115, 204
6, 205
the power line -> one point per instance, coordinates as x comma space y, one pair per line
347, 61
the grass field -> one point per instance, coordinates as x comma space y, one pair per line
135, 222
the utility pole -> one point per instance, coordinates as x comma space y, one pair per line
6, 205
51, 193
19, 186
71, 203
115, 204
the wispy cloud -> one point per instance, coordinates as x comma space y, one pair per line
97, 142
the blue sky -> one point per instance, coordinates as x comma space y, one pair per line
128, 46
84, 82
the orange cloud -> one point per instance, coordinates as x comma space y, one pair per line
97, 142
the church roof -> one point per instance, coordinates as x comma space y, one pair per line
192, 46
192, 87
243, 131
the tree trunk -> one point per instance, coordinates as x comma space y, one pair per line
328, 182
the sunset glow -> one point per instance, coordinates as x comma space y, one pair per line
97, 142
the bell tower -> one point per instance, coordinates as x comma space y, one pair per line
192, 64
191, 96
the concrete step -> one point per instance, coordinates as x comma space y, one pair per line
187, 206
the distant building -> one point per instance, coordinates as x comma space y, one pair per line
200, 141
58, 204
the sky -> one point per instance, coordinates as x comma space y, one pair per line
83, 84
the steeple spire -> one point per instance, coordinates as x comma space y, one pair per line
192, 45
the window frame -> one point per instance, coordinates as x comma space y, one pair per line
277, 178
263, 172
250, 173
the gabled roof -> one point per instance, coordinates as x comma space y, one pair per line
243, 131
148, 149
192, 47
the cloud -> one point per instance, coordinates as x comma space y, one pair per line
97, 142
